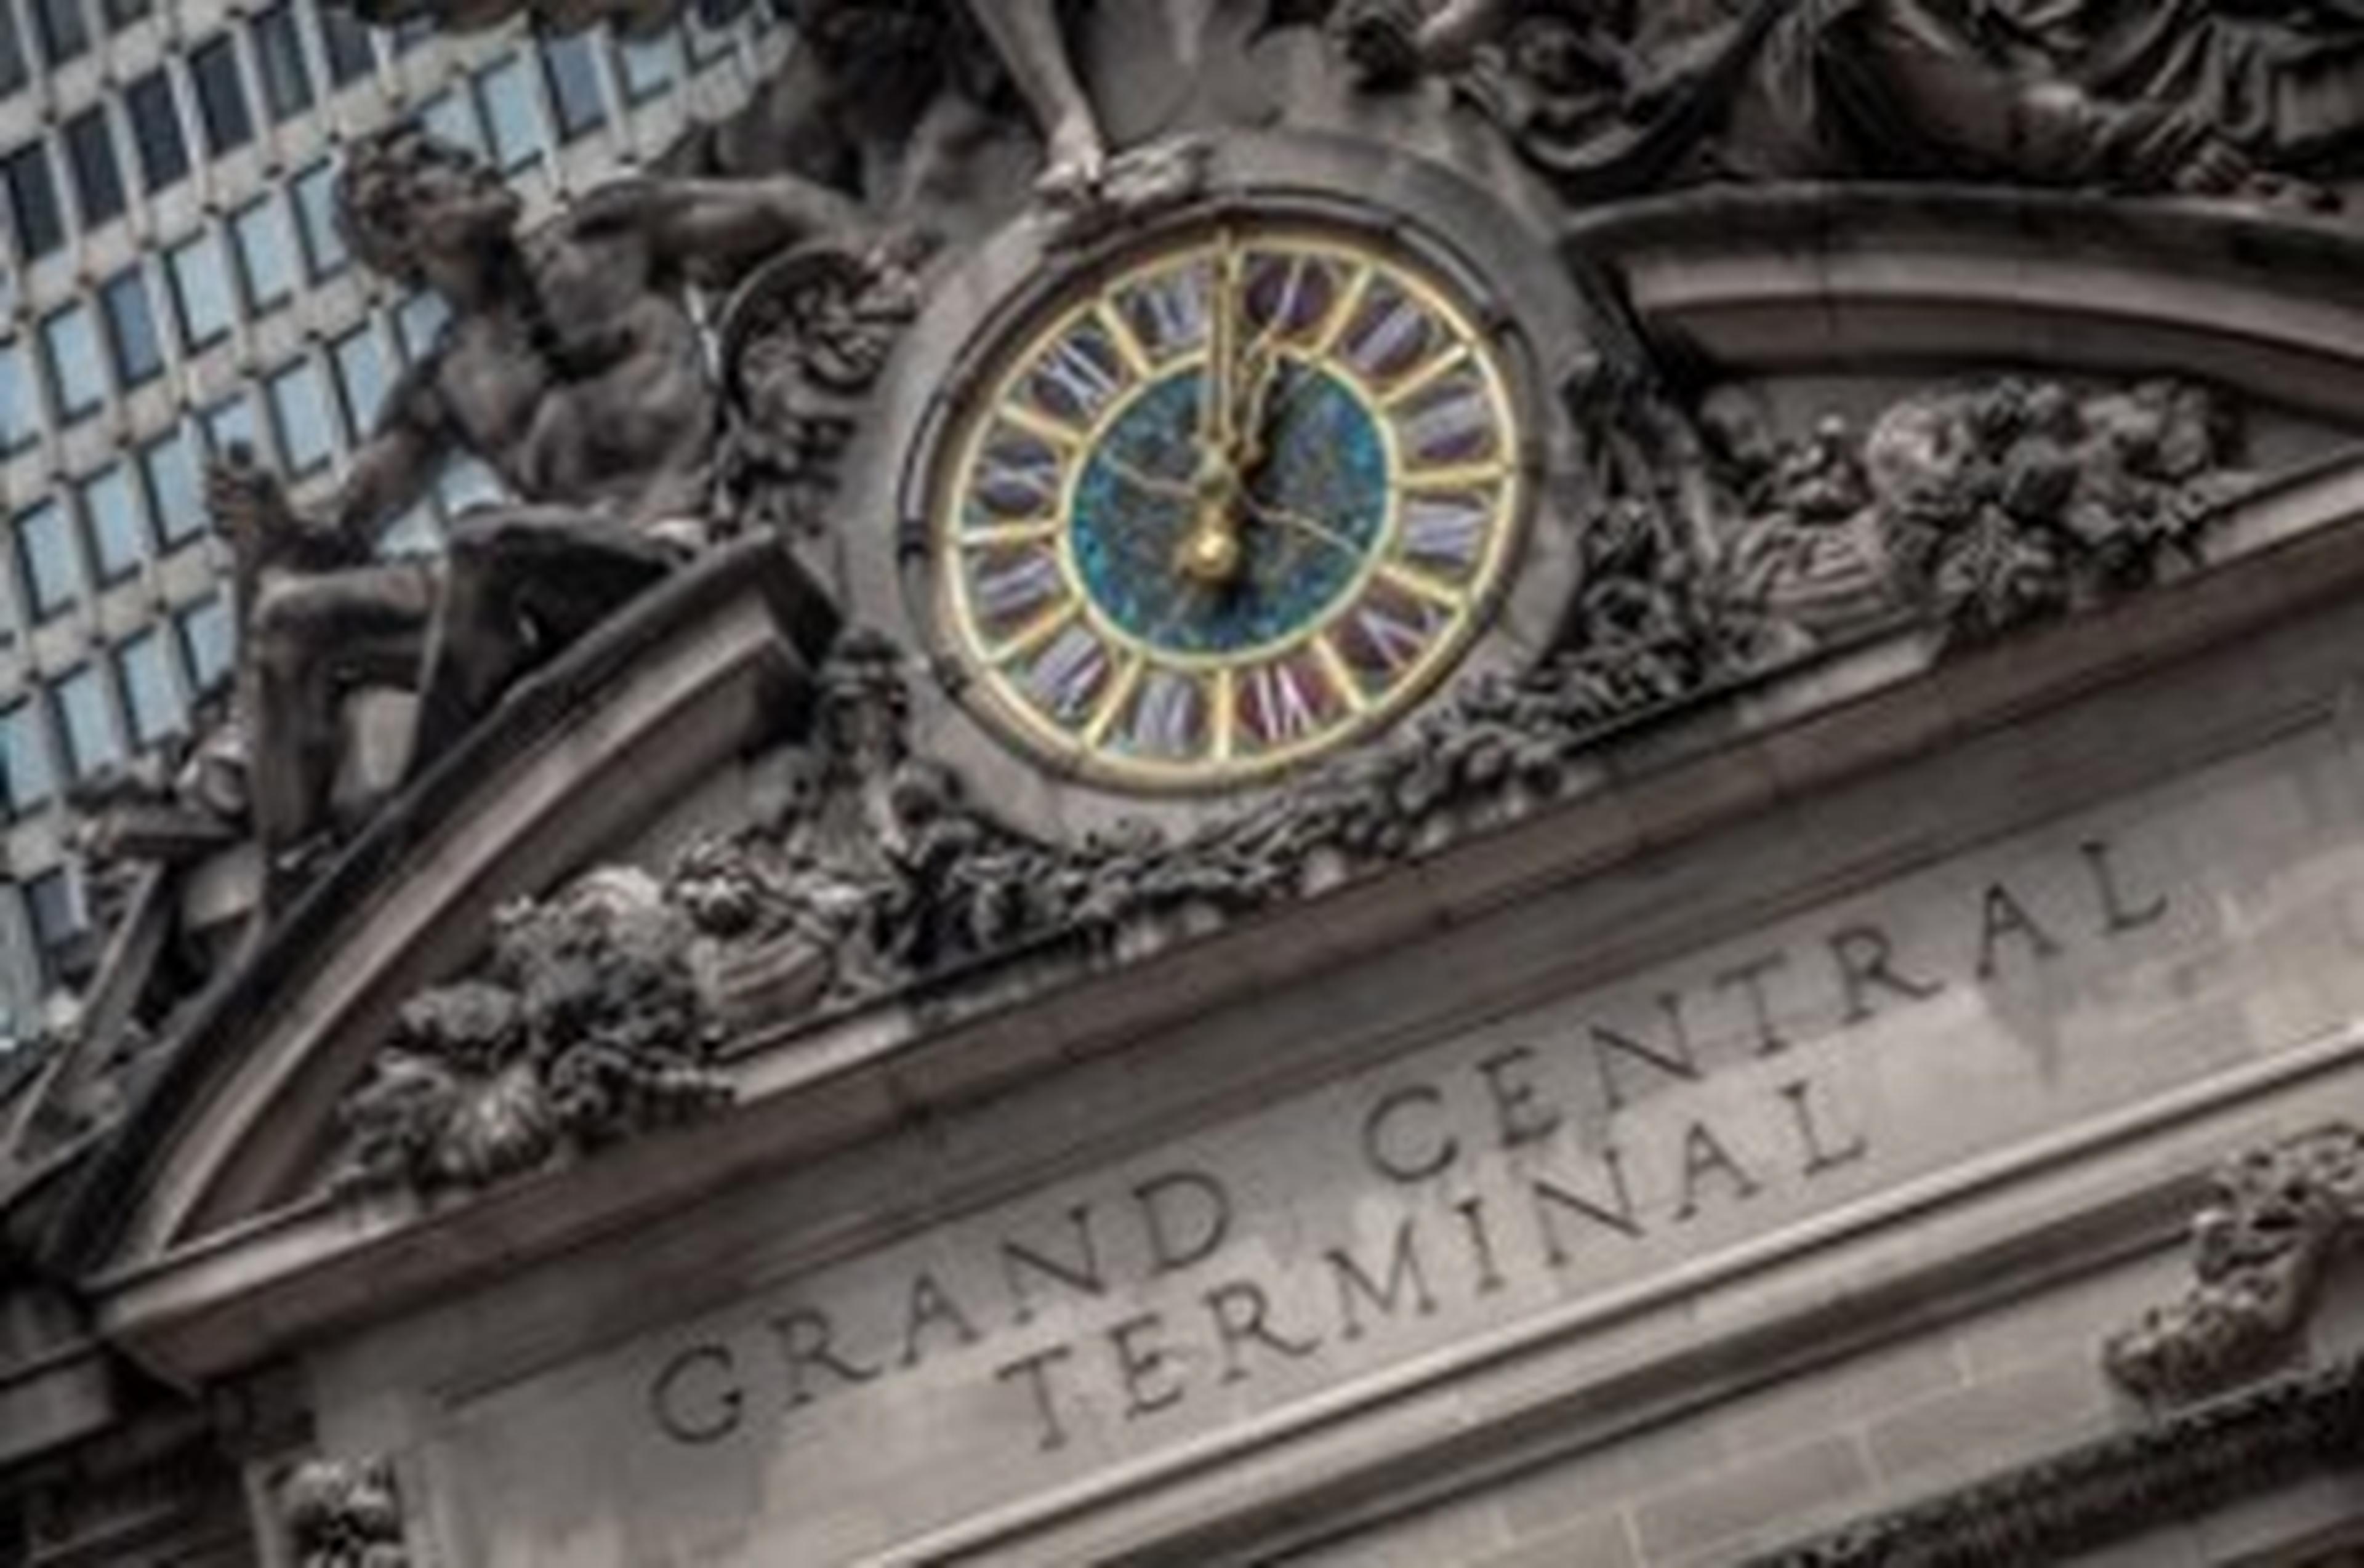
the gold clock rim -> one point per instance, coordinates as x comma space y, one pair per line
1374, 251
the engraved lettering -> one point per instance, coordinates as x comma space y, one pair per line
931, 1307
1079, 1272
2002, 916
1242, 1317
1704, 1155
2118, 915
1820, 1155
1171, 1244
1391, 1158
805, 1338
1749, 979
697, 1399
1035, 1369
1141, 1365
1521, 1119
1675, 1059
1355, 1287
1865, 959
1618, 1215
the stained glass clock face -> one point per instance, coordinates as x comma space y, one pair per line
1238, 502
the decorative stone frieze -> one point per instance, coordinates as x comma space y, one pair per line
2278, 1217
2118, 1487
343, 1513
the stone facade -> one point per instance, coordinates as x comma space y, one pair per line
1368, 784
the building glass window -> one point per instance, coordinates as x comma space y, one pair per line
221, 96
504, 92
152, 692
59, 923
706, 29
12, 73
452, 116
61, 26
466, 482
650, 64
414, 535
315, 220
20, 405
265, 263
228, 424
156, 131
38, 222
572, 68
360, 379
168, 472
419, 321
132, 327
45, 559
87, 722
351, 56
110, 510
279, 51
70, 356
27, 777
299, 410
97, 178
122, 14
207, 641
413, 32
200, 291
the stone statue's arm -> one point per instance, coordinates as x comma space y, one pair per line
715, 229
396, 466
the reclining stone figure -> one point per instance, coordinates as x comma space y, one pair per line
572, 368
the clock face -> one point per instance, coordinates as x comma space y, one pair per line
1239, 501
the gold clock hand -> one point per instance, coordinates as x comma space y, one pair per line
1151, 484
1266, 512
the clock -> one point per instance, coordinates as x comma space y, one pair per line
1234, 496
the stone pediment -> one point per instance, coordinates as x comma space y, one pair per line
243, 1123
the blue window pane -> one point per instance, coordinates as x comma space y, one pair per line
221, 96
156, 131
505, 94
87, 722
299, 409
20, 401
70, 352
27, 775
200, 291
350, 54
315, 219
118, 535
97, 178
279, 50
63, 30
34, 211
649, 64
467, 483
572, 68
208, 641
230, 424
168, 472
152, 692
419, 321
452, 116
413, 535
132, 327
264, 261
46, 558
360, 379
13, 72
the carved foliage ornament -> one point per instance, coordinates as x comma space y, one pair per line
1719, 553
343, 1513
2277, 1218
587, 1024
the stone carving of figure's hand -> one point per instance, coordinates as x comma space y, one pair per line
249, 503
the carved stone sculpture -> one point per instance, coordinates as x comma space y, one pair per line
572, 368
2259, 1249
2212, 97
587, 1025
343, 1513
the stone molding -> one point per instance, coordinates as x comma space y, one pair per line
2118, 1487
2277, 1217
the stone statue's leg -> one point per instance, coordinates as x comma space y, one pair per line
1970, 111
307, 639
520, 583
1032, 40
